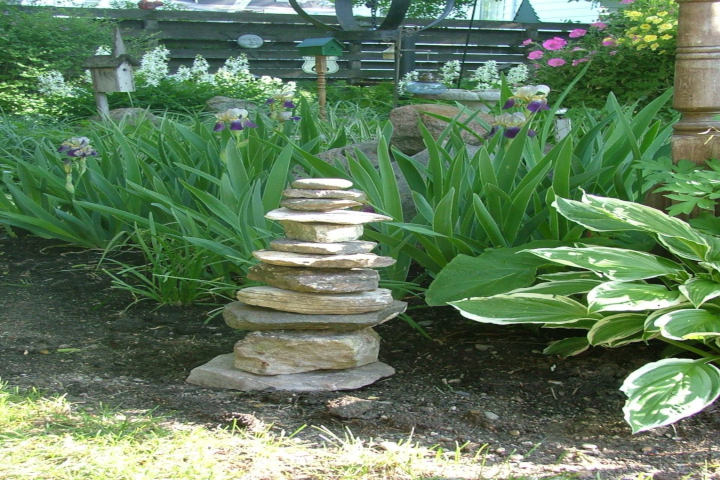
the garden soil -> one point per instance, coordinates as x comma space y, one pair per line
64, 330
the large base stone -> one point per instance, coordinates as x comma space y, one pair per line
283, 352
247, 317
220, 373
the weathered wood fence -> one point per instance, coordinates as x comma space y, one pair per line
214, 36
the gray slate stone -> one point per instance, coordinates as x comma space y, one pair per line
348, 406
321, 232
299, 302
318, 204
315, 280
356, 195
354, 260
284, 352
220, 373
341, 217
337, 248
248, 317
322, 183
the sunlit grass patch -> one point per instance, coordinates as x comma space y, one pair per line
50, 438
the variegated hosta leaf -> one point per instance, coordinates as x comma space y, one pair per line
522, 308
567, 347
645, 218
663, 392
613, 263
561, 287
589, 216
617, 330
700, 290
631, 297
689, 324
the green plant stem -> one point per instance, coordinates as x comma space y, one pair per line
689, 348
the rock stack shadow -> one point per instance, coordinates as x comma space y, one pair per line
311, 322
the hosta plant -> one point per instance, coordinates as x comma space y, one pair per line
619, 296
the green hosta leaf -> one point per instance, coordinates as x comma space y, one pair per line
561, 287
700, 290
613, 263
522, 308
690, 323
582, 324
633, 297
617, 330
567, 347
493, 272
590, 217
663, 392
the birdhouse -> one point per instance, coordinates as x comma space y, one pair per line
112, 73
326, 46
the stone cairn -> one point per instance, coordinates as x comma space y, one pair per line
311, 324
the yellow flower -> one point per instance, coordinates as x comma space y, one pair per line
654, 46
664, 27
653, 19
666, 37
642, 46
633, 14
662, 14
650, 38
645, 26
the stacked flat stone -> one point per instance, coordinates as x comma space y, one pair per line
311, 323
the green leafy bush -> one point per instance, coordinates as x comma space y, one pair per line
619, 296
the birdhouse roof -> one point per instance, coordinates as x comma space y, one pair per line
109, 61
320, 46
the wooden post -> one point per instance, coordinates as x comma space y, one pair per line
320, 68
101, 102
697, 81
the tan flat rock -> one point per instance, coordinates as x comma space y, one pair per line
299, 302
354, 260
318, 204
341, 217
337, 248
322, 183
281, 352
241, 316
351, 194
221, 373
315, 280
321, 232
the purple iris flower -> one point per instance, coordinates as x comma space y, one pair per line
295, 118
531, 133
288, 104
250, 124
509, 103
537, 105
63, 148
269, 101
219, 126
511, 132
236, 125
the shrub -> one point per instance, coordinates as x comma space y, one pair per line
633, 48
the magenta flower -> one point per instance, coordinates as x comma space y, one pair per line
578, 61
577, 33
526, 42
535, 54
555, 43
556, 62
599, 25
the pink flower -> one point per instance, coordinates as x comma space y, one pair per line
626, 2
578, 61
614, 52
556, 62
536, 65
535, 54
555, 43
577, 33
609, 42
599, 25
526, 42
578, 49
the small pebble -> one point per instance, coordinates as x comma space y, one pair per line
491, 416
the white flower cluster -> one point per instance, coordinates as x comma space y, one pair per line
450, 72
154, 65
487, 76
412, 76
276, 88
52, 83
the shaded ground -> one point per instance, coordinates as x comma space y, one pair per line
63, 330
